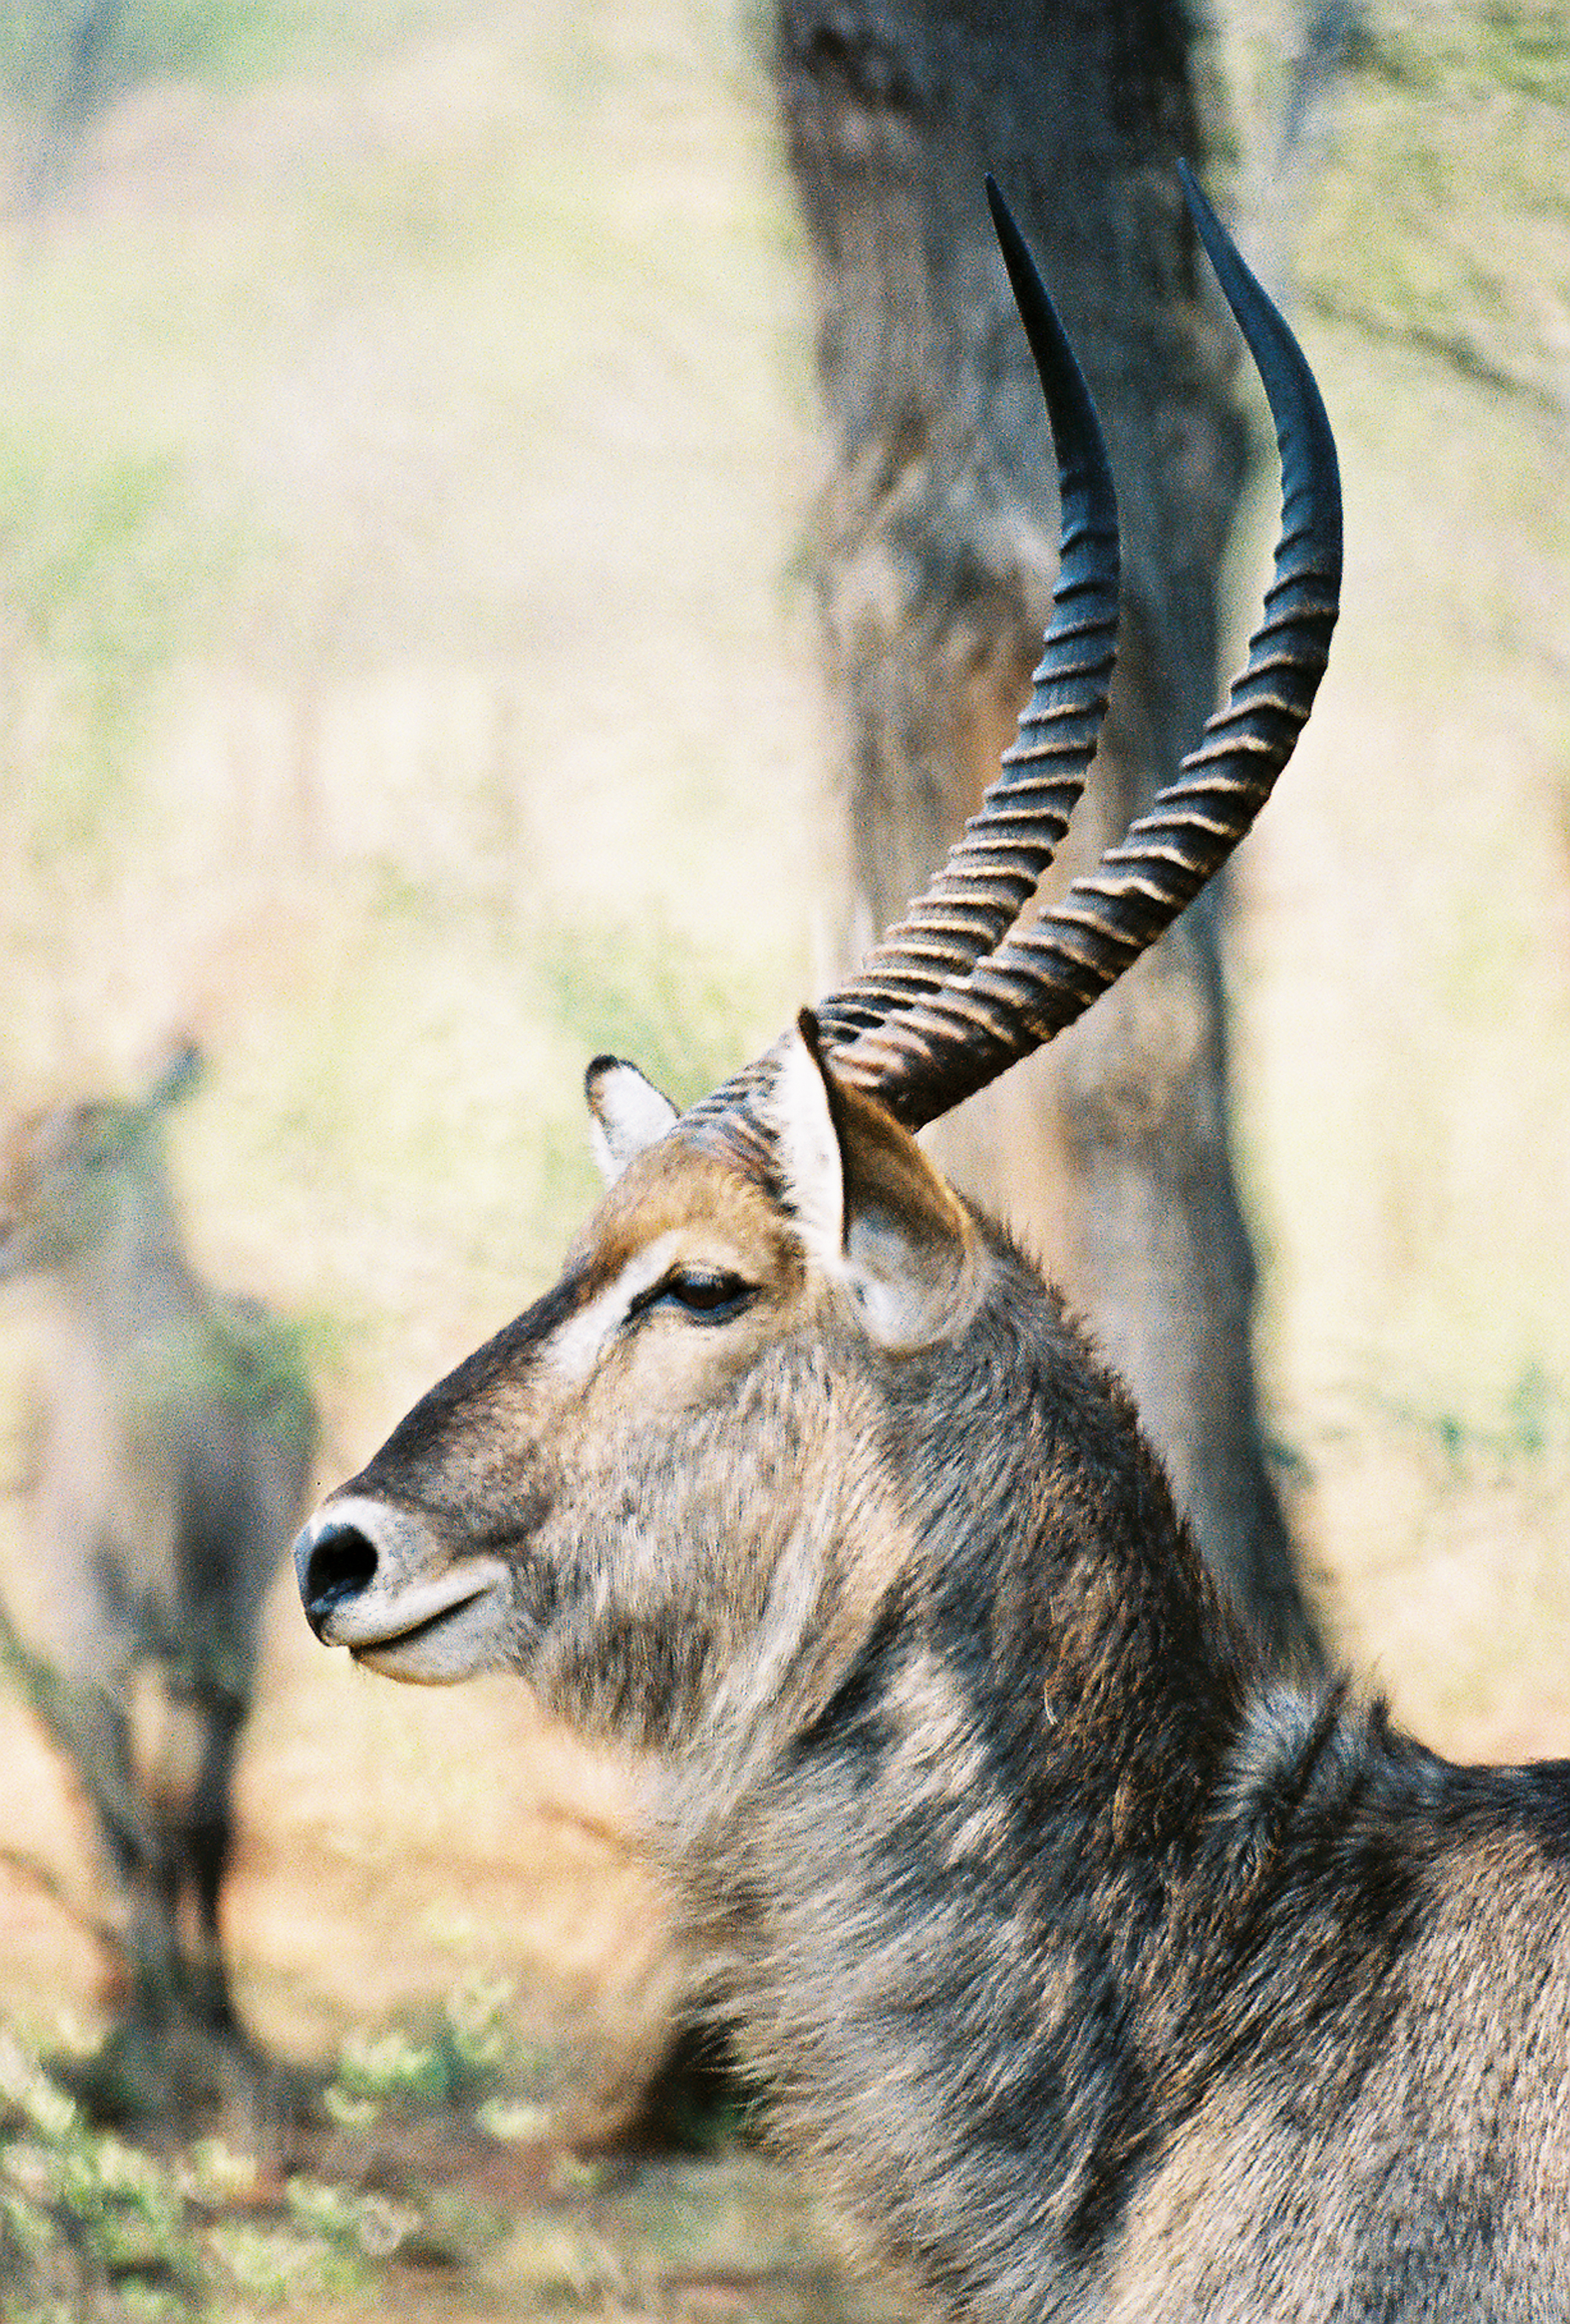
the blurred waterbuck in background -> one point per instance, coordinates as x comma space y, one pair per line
178, 1434
1100, 1970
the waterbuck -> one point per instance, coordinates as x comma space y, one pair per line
179, 1432
1098, 1970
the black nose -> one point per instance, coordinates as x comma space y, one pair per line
331, 1563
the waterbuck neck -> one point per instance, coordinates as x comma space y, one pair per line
1025, 1543
981, 1840
1079, 1954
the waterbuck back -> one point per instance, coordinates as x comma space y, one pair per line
1099, 1972
178, 1432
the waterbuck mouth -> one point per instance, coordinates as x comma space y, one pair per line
455, 1640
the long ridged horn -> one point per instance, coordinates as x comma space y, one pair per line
993, 869
940, 1048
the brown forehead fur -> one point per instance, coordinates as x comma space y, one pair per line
679, 1187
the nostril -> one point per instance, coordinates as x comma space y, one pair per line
342, 1562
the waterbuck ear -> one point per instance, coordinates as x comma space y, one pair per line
629, 1114
871, 1210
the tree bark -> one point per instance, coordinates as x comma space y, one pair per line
936, 551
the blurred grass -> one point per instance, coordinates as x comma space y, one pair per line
404, 431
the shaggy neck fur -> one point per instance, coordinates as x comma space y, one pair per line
980, 1841
992, 1922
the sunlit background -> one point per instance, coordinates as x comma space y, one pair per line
408, 688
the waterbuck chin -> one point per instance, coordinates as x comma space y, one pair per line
179, 1432
1098, 1970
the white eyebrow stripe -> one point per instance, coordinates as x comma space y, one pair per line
575, 1347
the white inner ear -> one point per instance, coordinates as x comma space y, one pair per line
629, 1114
809, 1151
907, 1295
910, 1274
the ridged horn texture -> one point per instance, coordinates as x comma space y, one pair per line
927, 1057
922, 1027
993, 871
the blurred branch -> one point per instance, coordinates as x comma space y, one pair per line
64, 75
1332, 37
1335, 31
1458, 352
43, 1878
80, 90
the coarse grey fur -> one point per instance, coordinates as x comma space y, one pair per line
177, 1439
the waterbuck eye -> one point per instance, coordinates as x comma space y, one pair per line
708, 1294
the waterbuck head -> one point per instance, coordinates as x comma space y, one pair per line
78, 1180
675, 1492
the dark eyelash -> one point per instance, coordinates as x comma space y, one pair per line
709, 1295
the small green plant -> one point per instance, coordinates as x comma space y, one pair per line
461, 2062
82, 2210
96, 2231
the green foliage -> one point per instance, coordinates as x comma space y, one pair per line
42, 42
106, 573
1441, 216
1529, 1436
101, 2232
650, 996
324, 2244
1524, 47
1513, 48
62, 61
81, 2212
461, 2061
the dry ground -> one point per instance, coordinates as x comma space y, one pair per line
407, 688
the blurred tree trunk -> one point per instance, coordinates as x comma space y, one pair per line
935, 557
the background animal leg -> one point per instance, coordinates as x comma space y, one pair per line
204, 1854
93, 1728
